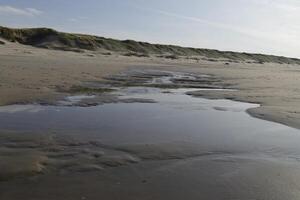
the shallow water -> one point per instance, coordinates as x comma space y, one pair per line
214, 125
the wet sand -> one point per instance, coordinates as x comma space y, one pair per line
197, 178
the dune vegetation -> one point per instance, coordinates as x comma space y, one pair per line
52, 39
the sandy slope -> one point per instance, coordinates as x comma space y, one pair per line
28, 74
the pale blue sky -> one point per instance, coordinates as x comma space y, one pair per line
263, 26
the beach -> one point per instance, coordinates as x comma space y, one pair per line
87, 125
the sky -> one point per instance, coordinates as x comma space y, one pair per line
257, 26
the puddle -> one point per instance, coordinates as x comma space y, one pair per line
218, 125
215, 125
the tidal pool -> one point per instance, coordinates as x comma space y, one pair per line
216, 125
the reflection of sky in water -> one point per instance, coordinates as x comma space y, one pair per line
177, 99
213, 124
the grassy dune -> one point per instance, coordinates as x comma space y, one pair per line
52, 39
